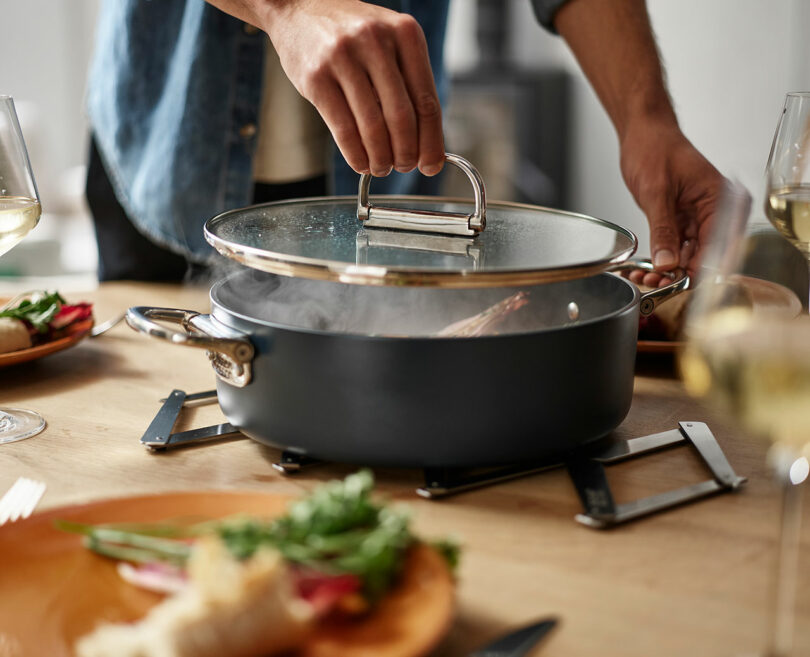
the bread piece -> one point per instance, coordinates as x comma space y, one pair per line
13, 335
230, 607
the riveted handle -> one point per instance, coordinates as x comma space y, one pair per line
230, 356
652, 299
448, 223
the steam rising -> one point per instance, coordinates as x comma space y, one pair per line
408, 311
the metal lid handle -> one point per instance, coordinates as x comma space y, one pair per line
448, 223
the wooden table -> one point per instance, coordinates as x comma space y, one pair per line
691, 581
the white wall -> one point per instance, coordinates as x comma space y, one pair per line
729, 64
45, 48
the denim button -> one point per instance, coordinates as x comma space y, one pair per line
247, 131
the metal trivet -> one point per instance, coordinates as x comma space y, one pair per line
586, 466
590, 479
158, 435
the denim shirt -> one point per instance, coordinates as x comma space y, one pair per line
173, 99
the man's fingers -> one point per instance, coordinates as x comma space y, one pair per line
415, 65
651, 279
665, 242
645, 278
400, 121
333, 107
368, 116
380, 55
636, 276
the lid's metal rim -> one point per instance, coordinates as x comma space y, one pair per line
351, 273
377, 275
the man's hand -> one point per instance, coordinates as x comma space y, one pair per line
673, 183
367, 72
677, 188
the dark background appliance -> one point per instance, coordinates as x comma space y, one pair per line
513, 123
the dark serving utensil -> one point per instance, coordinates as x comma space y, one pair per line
517, 642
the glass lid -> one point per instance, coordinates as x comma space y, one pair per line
417, 240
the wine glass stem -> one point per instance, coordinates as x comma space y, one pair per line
787, 568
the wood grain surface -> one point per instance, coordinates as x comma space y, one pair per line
692, 581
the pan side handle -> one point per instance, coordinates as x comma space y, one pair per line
231, 355
652, 299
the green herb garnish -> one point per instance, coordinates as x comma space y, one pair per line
337, 529
38, 311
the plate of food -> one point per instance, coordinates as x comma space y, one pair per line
662, 332
36, 324
225, 573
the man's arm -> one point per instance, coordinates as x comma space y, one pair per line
675, 186
367, 72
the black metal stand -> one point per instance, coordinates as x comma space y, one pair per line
590, 478
586, 466
158, 435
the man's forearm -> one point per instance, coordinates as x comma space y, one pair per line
259, 13
674, 185
615, 47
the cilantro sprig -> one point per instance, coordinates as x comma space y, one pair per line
337, 529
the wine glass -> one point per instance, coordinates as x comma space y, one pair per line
788, 173
19, 213
747, 352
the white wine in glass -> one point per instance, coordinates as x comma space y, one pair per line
19, 213
18, 216
788, 208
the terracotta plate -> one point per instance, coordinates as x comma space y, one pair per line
80, 330
55, 590
658, 346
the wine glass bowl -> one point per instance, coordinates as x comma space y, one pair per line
787, 205
19, 212
19, 201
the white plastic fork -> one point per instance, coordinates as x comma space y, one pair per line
20, 500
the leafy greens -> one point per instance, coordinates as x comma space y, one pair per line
38, 311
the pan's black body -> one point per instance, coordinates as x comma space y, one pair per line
427, 401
